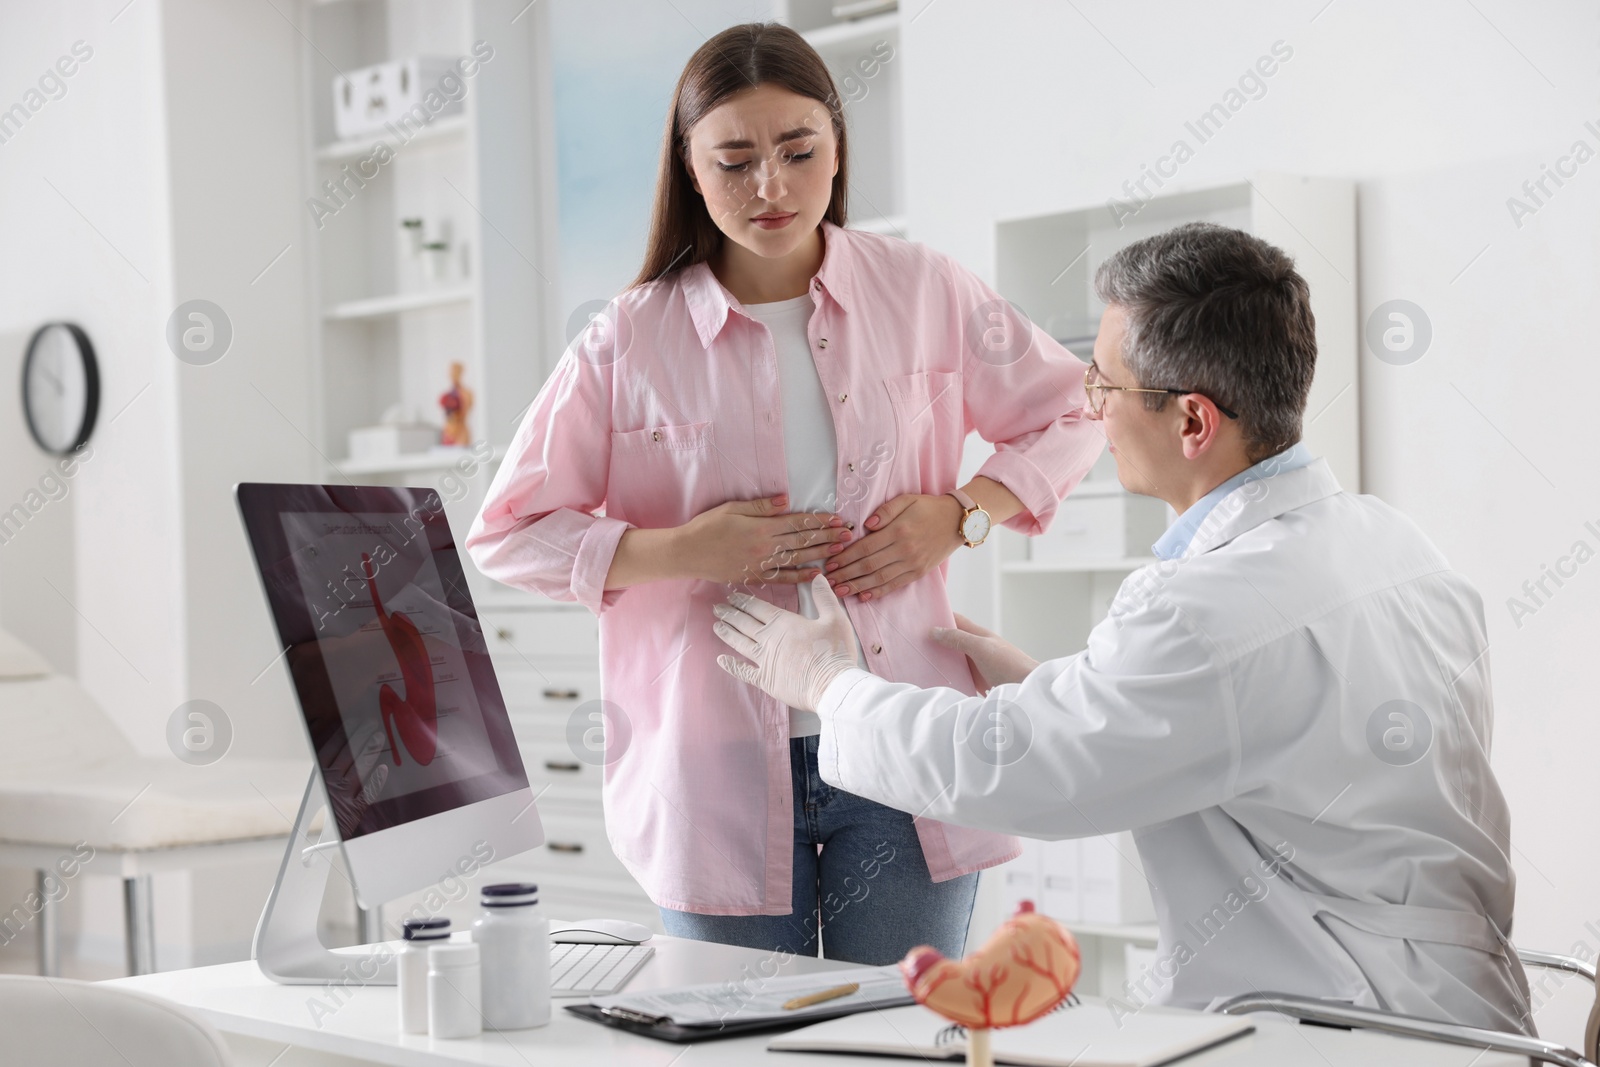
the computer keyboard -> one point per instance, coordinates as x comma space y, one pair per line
594, 970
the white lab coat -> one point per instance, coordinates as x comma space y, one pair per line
1234, 711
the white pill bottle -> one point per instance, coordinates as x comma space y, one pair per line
419, 935
513, 938
455, 1004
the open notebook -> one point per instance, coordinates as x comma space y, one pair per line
1087, 1035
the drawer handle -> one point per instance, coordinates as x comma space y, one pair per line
562, 765
561, 694
564, 846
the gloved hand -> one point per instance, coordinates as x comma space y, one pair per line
995, 661
794, 657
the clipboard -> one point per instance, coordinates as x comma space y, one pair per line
663, 1029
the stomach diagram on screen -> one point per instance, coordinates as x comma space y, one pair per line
414, 716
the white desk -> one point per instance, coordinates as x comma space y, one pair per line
260, 1018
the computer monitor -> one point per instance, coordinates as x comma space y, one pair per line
399, 700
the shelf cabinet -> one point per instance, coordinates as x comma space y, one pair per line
1050, 592
546, 659
392, 324
394, 319
1045, 264
864, 56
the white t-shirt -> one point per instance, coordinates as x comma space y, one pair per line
809, 447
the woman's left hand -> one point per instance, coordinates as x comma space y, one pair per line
903, 540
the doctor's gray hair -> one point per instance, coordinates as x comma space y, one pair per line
1222, 313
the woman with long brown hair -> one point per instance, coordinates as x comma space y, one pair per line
774, 394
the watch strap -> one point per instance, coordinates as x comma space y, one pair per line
969, 506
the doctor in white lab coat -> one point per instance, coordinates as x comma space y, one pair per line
1291, 710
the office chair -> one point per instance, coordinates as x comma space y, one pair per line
1335, 1013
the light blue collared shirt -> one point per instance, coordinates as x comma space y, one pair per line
1175, 542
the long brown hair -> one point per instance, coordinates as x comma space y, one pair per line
741, 57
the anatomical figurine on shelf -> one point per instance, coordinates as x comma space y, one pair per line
457, 404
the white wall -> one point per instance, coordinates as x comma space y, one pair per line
241, 239
167, 170
85, 229
1439, 110
84, 216
37, 587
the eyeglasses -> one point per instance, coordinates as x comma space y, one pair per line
1097, 392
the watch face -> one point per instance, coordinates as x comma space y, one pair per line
57, 388
976, 526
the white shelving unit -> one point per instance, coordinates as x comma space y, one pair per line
1096, 887
864, 56
378, 307
436, 459
480, 181
484, 181
1045, 265
441, 129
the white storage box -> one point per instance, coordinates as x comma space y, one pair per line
385, 92
1111, 882
1059, 893
1097, 526
376, 443
1091, 880
1019, 879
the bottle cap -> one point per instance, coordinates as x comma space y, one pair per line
453, 954
509, 894
434, 929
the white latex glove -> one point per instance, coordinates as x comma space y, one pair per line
794, 657
995, 661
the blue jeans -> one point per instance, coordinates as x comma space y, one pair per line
869, 887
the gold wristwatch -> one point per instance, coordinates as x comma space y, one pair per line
974, 525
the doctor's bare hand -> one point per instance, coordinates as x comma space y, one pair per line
793, 658
906, 538
758, 542
995, 661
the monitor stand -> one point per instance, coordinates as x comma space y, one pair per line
288, 947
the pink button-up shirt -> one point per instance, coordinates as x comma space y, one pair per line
677, 410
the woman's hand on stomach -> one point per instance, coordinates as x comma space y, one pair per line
906, 538
757, 542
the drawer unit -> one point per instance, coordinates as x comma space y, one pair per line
532, 634
551, 689
559, 777
575, 845
546, 658
1100, 526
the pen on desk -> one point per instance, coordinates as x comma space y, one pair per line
817, 998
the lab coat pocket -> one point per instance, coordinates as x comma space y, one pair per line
929, 429
663, 475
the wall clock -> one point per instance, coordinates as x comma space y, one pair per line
60, 387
